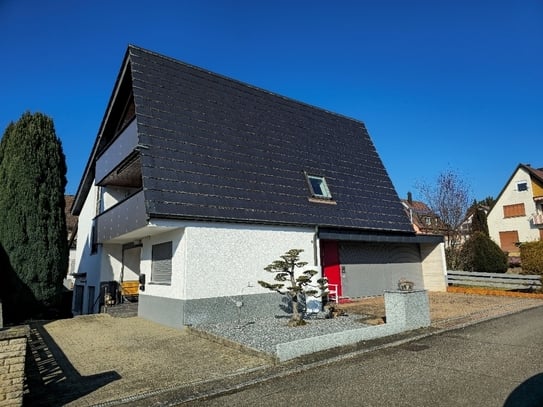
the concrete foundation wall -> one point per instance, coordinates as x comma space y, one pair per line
164, 310
404, 311
178, 313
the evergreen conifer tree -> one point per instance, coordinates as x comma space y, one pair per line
481, 254
479, 222
33, 236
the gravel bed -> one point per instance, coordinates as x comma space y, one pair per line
264, 334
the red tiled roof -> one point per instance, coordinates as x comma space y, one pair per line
71, 220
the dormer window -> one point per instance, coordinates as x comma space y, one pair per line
522, 186
318, 187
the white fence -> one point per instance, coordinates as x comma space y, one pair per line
505, 281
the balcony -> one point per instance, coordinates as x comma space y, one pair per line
537, 219
125, 217
121, 149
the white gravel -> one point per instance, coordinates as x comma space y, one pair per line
264, 334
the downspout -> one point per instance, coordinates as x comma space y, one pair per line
121, 277
316, 248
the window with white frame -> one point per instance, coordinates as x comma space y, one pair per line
318, 187
522, 186
161, 266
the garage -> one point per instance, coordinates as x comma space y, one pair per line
366, 265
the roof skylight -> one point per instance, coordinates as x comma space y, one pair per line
318, 187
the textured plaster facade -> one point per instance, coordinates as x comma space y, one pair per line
434, 267
215, 268
511, 195
85, 262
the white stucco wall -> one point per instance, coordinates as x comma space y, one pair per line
176, 236
216, 260
110, 267
84, 261
84, 227
434, 267
113, 195
497, 223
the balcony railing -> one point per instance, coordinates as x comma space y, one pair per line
120, 149
122, 218
537, 219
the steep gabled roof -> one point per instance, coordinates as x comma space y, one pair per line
535, 174
219, 149
71, 220
417, 206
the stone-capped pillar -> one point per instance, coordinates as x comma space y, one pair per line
408, 309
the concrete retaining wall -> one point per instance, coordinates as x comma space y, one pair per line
13, 343
405, 311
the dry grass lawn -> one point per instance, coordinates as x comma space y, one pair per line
443, 305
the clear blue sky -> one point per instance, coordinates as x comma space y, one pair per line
440, 84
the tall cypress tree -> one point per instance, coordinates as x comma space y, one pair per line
33, 235
479, 222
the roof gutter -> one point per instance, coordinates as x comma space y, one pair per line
379, 238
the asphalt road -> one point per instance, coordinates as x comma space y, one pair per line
494, 363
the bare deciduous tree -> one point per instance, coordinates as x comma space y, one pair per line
449, 198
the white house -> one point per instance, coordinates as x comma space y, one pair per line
517, 215
196, 182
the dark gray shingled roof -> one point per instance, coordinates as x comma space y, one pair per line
219, 149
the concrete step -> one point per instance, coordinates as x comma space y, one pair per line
124, 310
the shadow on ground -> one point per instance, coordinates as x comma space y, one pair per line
51, 380
527, 394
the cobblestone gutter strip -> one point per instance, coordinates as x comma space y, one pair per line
12, 364
489, 291
173, 395
237, 382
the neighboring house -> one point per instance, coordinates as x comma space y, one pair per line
466, 226
196, 182
517, 215
424, 221
71, 228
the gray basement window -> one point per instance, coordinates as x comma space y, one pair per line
318, 187
161, 268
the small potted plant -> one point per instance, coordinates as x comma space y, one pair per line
405, 285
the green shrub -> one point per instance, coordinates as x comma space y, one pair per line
531, 257
479, 253
452, 257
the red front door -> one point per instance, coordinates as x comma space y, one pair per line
330, 263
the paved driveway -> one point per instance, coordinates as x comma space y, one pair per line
98, 358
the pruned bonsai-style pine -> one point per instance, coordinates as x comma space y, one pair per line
294, 286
